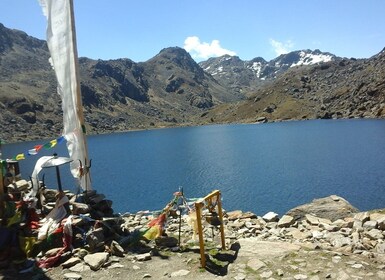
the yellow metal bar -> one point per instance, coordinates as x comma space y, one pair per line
213, 193
220, 214
198, 209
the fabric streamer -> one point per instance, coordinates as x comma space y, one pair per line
35, 150
67, 245
61, 41
35, 173
53, 219
156, 227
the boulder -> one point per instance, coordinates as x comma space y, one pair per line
116, 249
332, 207
286, 221
271, 217
380, 219
80, 208
166, 241
315, 221
233, 215
97, 260
71, 262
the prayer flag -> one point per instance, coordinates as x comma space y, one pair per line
53, 143
32, 152
38, 147
60, 140
20, 157
61, 42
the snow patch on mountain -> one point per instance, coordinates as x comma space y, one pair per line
309, 58
257, 68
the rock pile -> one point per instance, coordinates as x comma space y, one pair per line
92, 203
357, 233
329, 224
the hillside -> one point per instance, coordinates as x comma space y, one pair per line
171, 89
343, 88
117, 95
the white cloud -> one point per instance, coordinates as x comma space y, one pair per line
203, 50
281, 47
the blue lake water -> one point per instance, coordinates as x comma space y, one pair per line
258, 168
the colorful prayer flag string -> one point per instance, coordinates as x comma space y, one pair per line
37, 148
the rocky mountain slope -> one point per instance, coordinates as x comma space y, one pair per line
245, 76
340, 88
117, 94
171, 89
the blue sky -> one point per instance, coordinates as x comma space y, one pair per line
138, 30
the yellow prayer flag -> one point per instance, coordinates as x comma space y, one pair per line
53, 143
20, 157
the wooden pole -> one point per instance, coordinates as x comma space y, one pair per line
79, 108
198, 209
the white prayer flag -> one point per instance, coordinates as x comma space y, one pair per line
61, 42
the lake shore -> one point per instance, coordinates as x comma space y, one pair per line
327, 238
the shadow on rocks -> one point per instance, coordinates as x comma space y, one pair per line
217, 261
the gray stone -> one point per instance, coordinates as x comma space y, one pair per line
166, 241
96, 260
339, 241
266, 274
143, 257
332, 208
270, 217
116, 249
240, 276
82, 253
80, 208
280, 272
374, 234
52, 252
370, 225
341, 223
72, 276
255, 264
95, 239
116, 265
234, 215
300, 276
300, 235
362, 216
285, 221
313, 220
180, 273
357, 224
380, 219
317, 234
380, 248
80, 267
331, 227
71, 262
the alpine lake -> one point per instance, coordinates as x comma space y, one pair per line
257, 167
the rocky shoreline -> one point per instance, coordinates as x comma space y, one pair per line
325, 239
